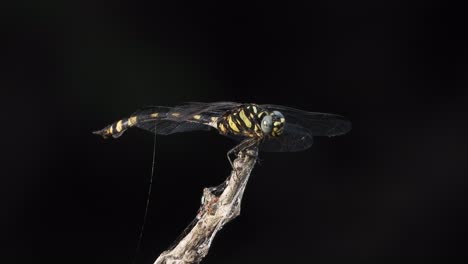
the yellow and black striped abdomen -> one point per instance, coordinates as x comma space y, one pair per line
116, 129
159, 120
242, 121
142, 119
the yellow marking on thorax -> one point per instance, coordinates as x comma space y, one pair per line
118, 127
214, 119
132, 121
282, 120
249, 133
245, 119
110, 130
277, 123
222, 128
232, 125
154, 115
197, 117
261, 114
254, 109
175, 114
256, 129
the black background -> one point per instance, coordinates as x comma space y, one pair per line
391, 190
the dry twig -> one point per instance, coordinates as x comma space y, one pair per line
220, 205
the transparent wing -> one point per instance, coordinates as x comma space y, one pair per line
167, 127
188, 110
163, 125
179, 119
317, 124
294, 138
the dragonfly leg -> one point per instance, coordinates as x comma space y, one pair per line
239, 148
229, 156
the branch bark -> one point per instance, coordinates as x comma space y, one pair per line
220, 205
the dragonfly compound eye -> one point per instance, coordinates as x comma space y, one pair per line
278, 120
267, 124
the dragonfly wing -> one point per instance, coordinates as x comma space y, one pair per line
188, 110
169, 120
167, 127
294, 138
155, 119
318, 124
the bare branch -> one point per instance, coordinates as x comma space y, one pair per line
220, 205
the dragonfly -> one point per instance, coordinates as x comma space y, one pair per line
273, 128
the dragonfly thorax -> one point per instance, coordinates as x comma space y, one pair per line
251, 120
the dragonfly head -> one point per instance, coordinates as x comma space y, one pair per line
273, 124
